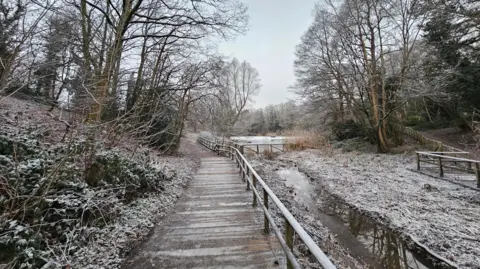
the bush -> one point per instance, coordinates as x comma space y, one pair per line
413, 120
47, 195
435, 124
347, 130
354, 144
306, 140
269, 155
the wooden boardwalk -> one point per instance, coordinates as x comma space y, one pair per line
213, 226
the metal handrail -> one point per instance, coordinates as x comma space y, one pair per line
250, 176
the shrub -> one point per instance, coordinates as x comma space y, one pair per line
347, 130
413, 120
269, 155
47, 195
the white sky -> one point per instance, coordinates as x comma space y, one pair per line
275, 29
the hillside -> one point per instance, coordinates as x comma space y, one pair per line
67, 200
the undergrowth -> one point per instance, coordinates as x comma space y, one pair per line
50, 196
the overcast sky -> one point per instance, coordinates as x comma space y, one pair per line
275, 29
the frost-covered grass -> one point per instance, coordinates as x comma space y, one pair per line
443, 216
339, 255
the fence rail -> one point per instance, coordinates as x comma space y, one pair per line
292, 227
443, 159
259, 148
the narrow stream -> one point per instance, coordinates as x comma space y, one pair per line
366, 240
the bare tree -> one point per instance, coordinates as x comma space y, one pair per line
356, 58
19, 23
235, 83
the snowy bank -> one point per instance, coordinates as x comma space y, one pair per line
443, 216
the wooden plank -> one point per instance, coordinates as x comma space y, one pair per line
443, 152
449, 157
213, 226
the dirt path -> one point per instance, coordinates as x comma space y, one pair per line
453, 137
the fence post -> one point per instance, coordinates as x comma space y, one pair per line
254, 182
266, 224
418, 161
241, 149
440, 166
477, 168
258, 150
289, 233
247, 176
243, 170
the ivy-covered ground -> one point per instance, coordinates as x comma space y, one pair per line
74, 202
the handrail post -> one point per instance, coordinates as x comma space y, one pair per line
254, 182
248, 183
440, 166
258, 149
243, 170
418, 161
289, 233
266, 224
477, 168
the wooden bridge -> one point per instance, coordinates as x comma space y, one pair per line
218, 224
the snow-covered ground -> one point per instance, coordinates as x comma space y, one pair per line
76, 243
299, 205
135, 221
443, 216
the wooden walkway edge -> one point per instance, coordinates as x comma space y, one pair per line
213, 226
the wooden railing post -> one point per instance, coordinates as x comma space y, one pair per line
266, 224
241, 149
258, 149
440, 166
289, 233
418, 161
243, 170
248, 183
254, 182
477, 172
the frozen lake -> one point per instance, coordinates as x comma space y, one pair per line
260, 139
259, 144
